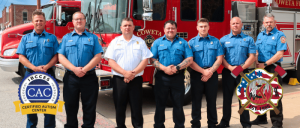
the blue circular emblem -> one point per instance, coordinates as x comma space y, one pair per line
39, 87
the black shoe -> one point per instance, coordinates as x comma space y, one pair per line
247, 127
276, 127
222, 125
257, 122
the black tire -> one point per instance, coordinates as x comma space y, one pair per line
21, 69
188, 92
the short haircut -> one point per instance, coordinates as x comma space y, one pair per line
170, 22
203, 20
76, 13
38, 12
127, 19
269, 15
236, 17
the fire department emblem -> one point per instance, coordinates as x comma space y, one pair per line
149, 40
259, 91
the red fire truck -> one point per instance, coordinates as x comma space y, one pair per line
104, 19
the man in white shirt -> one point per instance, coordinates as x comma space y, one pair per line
128, 56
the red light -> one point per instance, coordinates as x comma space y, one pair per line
104, 83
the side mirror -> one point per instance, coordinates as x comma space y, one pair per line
148, 10
58, 14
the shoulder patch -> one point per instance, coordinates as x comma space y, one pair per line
189, 45
283, 39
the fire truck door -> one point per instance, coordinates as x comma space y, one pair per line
187, 12
286, 23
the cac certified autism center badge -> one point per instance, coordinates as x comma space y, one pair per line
38, 93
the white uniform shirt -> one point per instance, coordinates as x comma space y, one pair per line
128, 55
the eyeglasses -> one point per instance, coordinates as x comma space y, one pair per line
170, 28
79, 19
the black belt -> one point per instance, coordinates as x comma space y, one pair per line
278, 63
31, 71
206, 67
178, 72
87, 73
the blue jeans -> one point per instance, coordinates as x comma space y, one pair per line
32, 119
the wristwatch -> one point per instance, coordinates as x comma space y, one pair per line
265, 64
177, 68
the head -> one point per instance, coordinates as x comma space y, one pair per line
38, 21
170, 29
78, 20
203, 27
127, 26
236, 25
269, 22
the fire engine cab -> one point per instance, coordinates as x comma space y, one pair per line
103, 17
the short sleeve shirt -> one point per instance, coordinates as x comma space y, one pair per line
127, 55
80, 49
267, 45
205, 50
170, 53
237, 48
39, 49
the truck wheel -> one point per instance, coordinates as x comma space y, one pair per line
21, 71
298, 70
188, 92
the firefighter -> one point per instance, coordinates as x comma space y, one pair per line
128, 56
37, 52
239, 49
171, 55
208, 55
270, 46
80, 52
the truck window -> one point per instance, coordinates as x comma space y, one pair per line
67, 13
159, 9
213, 10
48, 10
188, 10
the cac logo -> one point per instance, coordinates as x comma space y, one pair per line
38, 93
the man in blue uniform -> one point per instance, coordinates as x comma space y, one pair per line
270, 46
37, 52
171, 55
239, 49
80, 52
208, 54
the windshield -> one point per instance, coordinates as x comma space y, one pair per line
48, 10
108, 15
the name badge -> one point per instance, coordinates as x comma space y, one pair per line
196, 45
227, 42
70, 40
29, 41
161, 45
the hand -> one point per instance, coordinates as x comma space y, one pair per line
45, 68
173, 68
204, 78
231, 68
129, 75
168, 70
207, 72
38, 69
260, 65
126, 80
79, 72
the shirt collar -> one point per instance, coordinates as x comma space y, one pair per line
207, 37
84, 32
165, 38
43, 33
123, 39
272, 32
238, 35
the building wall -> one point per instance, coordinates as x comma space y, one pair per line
18, 14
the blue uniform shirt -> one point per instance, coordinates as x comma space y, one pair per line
79, 49
170, 53
38, 49
237, 48
205, 50
267, 45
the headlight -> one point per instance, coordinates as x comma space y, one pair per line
10, 52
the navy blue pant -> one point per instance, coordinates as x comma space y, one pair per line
164, 86
276, 119
87, 89
32, 119
210, 89
229, 84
